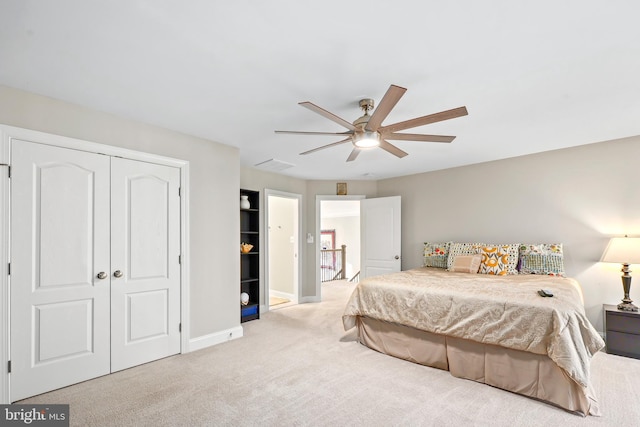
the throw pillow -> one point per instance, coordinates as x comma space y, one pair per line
436, 254
542, 258
457, 249
467, 263
499, 259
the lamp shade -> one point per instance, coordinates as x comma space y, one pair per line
622, 250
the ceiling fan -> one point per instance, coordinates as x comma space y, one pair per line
367, 131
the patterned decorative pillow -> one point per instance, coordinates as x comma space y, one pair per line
542, 258
499, 259
436, 254
467, 263
461, 249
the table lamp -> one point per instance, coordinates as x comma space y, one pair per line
624, 250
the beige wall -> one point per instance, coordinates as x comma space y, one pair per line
578, 196
282, 230
214, 202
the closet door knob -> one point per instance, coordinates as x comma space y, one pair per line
117, 273
102, 275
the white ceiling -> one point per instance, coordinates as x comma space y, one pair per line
534, 76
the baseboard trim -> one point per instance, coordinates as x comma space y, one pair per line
285, 295
305, 300
215, 338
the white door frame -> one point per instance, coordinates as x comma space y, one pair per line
268, 192
7, 133
319, 199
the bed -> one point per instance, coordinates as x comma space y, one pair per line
492, 329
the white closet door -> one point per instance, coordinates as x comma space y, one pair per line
145, 298
60, 242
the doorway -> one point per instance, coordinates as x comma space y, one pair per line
282, 259
338, 236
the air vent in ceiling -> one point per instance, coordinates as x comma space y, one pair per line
274, 165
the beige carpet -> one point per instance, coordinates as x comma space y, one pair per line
297, 367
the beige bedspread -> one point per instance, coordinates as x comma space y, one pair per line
505, 311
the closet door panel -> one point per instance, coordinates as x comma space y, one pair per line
148, 241
145, 218
60, 242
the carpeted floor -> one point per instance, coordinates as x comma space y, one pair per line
297, 367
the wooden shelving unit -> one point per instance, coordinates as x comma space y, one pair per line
250, 262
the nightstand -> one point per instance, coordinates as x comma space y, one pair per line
622, 329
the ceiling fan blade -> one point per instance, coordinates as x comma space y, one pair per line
326, 114
326, 146
295, 132
418, 137
425, 120
392, 149
354, 154
389, 100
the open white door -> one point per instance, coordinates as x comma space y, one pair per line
380, 225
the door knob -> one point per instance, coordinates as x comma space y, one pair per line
396, 257
102, 275
117, 273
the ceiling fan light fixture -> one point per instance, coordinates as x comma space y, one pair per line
366, 139
367, 131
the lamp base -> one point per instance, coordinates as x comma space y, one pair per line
627, 303
627, 306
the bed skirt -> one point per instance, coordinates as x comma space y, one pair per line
528, 374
